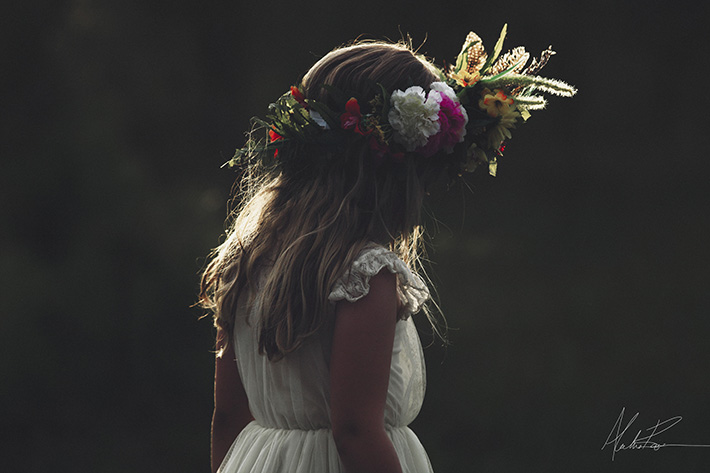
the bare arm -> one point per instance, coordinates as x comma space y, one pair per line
231, 408
359, 372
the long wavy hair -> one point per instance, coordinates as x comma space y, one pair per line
294, 232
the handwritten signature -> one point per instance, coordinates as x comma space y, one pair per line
639, 442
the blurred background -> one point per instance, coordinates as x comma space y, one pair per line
574, 283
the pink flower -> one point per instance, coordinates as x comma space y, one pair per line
452, 121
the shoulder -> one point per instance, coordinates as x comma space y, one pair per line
381, 293
357, 280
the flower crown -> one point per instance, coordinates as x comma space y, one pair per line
463, 120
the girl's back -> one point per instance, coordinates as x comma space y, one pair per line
290, 399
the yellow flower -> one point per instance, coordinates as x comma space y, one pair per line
373, 125
496, 103
465, 78
501, 130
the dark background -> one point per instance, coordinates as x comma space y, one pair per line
574, 282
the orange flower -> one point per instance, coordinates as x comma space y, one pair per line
298, 95
273, 136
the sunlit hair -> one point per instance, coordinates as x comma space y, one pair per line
306, 226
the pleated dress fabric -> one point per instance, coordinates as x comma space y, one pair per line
290, 398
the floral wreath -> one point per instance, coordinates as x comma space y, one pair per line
464, 119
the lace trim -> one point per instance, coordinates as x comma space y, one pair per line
355, 283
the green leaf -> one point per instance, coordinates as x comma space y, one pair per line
461, 58
330, 117
462, 95
493, 167
299, 119
496, 50
481, 122
260, 122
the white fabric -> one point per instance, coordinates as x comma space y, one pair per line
355, 283
290, 399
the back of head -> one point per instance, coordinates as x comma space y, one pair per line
358, 69
381, 199
310, 220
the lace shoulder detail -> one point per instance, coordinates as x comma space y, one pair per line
354, 284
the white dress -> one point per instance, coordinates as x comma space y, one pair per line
290, 398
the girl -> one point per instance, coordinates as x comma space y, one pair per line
319, 366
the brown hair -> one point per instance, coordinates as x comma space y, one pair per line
308, 226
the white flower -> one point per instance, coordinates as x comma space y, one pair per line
444, 89
414, 117
318, 118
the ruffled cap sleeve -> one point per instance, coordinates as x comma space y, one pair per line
354, 284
